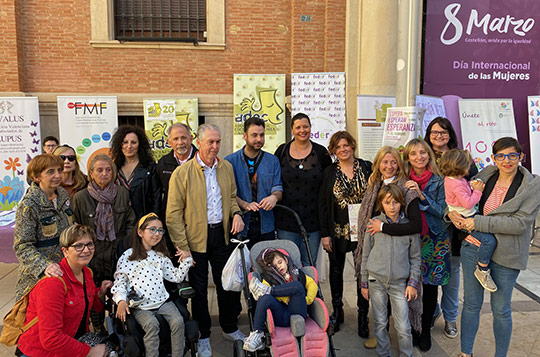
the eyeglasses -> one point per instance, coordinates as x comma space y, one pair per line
79, 247
69, 157
513, 156
436, 133
155, 230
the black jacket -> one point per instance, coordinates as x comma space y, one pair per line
145, 190
165, 167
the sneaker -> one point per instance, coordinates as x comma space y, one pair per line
450, 329
434, 319
254, 342
258, 289
485, 280
203, 348
370, 343
236, 335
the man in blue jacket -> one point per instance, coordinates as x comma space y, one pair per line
258, 182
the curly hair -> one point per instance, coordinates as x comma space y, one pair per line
144, 152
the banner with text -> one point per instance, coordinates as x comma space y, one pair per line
263, 96
434, 107
483, 121
87, 124
371, 118
402, 124
322, 97
534, 133
160, 114
484, 49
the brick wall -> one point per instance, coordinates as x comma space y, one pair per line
261, 37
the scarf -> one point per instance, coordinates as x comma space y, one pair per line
104, 220
422, 181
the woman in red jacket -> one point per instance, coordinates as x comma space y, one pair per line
63, 305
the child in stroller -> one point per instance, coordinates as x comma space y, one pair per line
284, 289
143, 268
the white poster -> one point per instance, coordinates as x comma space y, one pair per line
434, 107
534, 132
87, 124
371, 117
402, 124
483, 121
322, 97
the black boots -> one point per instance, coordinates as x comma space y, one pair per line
338, 317
422, 340
363, 322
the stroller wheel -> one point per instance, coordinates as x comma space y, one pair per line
239, 349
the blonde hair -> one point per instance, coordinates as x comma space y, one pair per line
455, 162
432, 164
376, 175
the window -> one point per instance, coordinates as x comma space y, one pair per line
160, 20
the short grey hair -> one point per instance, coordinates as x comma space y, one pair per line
205, 127
178, 125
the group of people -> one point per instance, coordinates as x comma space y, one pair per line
171, 219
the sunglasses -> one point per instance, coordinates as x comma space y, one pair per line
69, 157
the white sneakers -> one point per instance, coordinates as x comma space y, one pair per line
203, 348
254, 342
258, 289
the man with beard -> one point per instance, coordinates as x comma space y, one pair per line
180, 141
258, 181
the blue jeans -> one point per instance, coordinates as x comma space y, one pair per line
281, 312
314, 241
379, 294
450, 293
473, 298
489, 243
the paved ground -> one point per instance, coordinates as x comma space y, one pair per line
525, 305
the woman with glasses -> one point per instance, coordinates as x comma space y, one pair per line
43, 213
106, 208
508, 207
441, 137
73, 180
62, 305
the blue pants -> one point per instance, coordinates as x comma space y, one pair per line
314, 241
473, 298
281, 312
489, 243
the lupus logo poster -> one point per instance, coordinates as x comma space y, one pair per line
87, 124
160, 114
263, 96
322, 97
484, 49
483, 121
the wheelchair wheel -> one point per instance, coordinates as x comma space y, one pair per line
239, 349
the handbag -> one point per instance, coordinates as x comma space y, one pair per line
14, 320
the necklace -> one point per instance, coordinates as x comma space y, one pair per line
301, 166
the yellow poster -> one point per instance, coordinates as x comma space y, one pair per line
263, 96
160, 114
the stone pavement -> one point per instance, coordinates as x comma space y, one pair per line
525, 306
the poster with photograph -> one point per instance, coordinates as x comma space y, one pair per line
371, 118
434, 107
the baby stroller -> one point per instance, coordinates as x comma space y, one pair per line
307, 337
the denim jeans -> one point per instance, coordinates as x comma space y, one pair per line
150, 324
281, 312
489, 243
314, 241
473, 298
450, 293
379, 294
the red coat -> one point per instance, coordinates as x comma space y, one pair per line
59, 315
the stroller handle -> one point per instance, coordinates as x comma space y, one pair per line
303, 231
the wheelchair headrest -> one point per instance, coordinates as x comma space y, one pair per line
288, 246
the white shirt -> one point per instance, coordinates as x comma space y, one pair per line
146, 278
214, 208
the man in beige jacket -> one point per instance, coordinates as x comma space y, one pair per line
202, 201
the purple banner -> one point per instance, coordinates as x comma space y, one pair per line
484, 49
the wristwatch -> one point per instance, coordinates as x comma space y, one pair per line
239, 213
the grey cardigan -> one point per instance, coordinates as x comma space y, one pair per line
390, 259
512, 221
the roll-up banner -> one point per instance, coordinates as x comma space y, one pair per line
322, 97
160, 114
263, 96
534, 132
371, 118
87, 124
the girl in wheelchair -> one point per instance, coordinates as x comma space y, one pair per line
141, 269
284, 289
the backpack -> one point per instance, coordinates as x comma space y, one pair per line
14, 320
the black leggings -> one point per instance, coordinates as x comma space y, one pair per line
429, 300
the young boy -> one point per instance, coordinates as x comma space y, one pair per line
391, 265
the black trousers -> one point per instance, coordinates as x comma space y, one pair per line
217, 253
429, 301
337, 266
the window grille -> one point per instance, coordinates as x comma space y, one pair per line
160, 20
